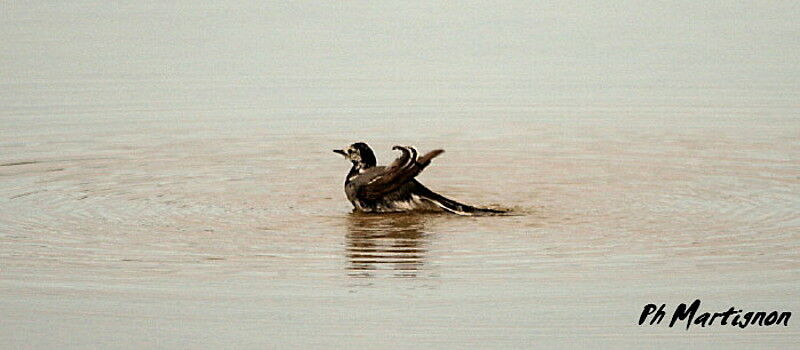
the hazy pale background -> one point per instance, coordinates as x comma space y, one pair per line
166, 177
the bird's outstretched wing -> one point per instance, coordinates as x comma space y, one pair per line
402, 170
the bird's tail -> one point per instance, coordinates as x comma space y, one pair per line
452, 206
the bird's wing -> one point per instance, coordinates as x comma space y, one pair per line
402, 170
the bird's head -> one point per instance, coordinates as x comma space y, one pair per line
359, 154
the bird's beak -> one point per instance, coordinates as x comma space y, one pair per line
340, 152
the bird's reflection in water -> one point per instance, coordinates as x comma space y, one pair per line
395, 243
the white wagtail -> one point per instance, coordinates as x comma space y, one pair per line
384, 189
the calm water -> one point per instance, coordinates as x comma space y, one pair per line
167, 180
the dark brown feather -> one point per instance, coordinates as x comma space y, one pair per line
400, 172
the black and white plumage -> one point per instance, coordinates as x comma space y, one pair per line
383, 189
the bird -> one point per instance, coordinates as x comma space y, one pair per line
393, 188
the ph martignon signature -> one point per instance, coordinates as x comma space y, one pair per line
736, 317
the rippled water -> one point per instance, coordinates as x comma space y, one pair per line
193, 208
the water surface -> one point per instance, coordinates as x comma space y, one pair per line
166, 178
